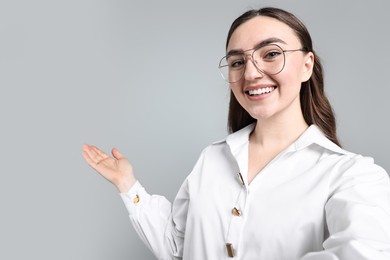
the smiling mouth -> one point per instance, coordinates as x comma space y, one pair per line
259, 91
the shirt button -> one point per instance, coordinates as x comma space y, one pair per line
236, 212
230, 250
136, 199
240, 178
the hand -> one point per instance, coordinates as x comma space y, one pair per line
116, 169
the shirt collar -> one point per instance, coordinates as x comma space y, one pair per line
312, 135
237, 139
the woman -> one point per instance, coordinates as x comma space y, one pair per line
279, 186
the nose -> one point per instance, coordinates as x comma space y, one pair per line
251, 71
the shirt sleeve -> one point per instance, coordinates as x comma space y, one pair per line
357, 213
153, 220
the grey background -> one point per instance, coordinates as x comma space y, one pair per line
142, 76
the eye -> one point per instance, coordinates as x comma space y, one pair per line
270, 55
236, 63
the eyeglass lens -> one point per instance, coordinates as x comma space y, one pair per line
268, 59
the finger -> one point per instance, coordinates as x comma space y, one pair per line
86, 147
85, 153
88, 159
99, 154
88, 155
117, 155
94, 155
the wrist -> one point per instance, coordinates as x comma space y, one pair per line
125, 185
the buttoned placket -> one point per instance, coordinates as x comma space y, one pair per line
239, 210
237, 219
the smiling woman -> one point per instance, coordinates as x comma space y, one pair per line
279, 186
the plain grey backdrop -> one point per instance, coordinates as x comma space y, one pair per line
142, 76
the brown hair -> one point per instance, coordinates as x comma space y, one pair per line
315, 105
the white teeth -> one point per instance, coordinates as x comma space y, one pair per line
260, 91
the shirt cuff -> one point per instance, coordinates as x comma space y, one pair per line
134, 197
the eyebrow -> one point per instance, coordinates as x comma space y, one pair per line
259, 45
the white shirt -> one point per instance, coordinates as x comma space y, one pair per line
314, 201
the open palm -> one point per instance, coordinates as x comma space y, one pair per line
116, 168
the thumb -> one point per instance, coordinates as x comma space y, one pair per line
117, 155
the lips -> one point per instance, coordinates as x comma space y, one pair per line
260, 91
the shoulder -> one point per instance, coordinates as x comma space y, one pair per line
337, 160
347, 169
352, 164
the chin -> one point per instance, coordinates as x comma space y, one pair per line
261, 115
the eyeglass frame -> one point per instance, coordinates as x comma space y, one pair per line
304, 49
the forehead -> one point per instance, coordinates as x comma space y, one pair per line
261, 28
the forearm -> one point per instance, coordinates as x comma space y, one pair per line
151, 217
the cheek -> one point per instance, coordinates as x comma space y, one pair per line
236, 88
237, 94
291, 74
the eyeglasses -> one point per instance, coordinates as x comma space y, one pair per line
269, 59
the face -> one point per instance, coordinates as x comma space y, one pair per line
270, 96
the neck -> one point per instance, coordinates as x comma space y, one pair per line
278, 133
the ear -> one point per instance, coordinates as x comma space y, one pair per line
307, 66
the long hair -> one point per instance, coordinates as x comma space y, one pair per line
315, 106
